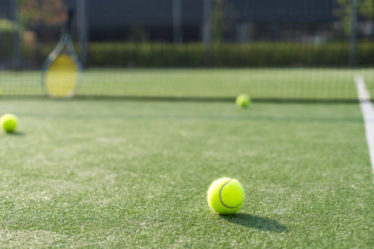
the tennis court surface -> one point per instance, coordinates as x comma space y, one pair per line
117, 116
115, 174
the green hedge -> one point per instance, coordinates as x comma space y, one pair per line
227, 55
145, 55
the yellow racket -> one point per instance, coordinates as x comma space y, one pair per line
61, 70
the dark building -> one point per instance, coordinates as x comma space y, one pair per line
6, 9
124, 18
243, 20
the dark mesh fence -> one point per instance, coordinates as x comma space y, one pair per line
270, 49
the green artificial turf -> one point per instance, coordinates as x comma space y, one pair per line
121, 174
258, 83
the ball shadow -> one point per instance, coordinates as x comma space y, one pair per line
16, 133
256, 222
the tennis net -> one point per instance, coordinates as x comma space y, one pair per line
210, 49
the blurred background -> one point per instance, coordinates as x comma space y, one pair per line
270, 49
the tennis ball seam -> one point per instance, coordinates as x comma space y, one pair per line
220, 197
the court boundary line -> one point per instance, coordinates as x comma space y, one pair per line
367, 110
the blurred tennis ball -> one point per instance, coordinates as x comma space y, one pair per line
225, 196
9, 122
243, 100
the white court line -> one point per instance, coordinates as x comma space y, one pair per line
368, 115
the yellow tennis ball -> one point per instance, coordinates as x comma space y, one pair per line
9, 122
243, 100
225, 196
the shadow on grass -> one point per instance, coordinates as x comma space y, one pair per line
256, 222
16, 133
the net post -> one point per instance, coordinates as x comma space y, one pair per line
353, 34
82, 29
207, 31
177, 21
17, 36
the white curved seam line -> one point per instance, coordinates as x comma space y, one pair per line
220, 197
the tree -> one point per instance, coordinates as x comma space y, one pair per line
41, 12
365, 8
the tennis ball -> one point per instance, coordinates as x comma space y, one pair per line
243, 100
9, 122
225, 196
